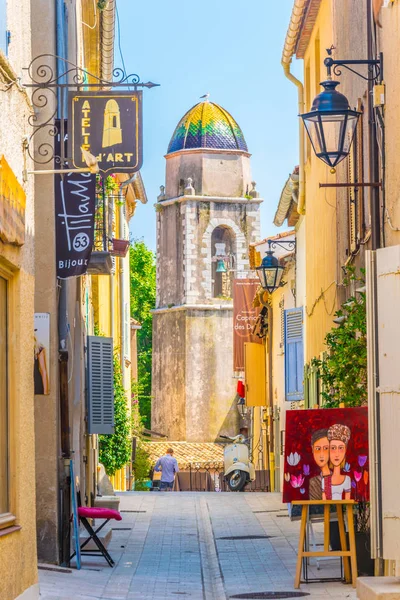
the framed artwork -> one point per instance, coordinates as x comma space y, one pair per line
326, 454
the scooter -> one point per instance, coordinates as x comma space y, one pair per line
238, 469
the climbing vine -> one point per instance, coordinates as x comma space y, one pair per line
343, 372
115, 449
143, 299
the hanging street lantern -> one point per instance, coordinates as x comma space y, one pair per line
270, 271
331, 124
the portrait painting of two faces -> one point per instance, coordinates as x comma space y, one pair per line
326, 454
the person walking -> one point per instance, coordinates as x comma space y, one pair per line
168, 465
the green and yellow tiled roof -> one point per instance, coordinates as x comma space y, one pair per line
207, 125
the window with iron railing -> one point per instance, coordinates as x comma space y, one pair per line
104, 224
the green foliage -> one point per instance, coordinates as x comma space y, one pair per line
111, 185
115, 449
101, 4
344, 371
141, 467
143, 298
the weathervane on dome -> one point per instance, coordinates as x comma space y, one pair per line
206, 97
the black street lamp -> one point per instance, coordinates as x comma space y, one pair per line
331, 123
270, 271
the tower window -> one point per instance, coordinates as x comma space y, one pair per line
223, 262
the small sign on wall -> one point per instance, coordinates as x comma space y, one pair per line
42, 354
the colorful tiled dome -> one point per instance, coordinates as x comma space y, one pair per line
207, 125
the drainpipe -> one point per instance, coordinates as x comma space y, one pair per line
65, 480
288, 51
122, 282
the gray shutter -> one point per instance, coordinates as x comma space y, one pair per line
100, 385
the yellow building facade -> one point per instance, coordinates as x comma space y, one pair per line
18, 566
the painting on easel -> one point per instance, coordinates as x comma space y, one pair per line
326, 454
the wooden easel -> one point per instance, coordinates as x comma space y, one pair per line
346, 554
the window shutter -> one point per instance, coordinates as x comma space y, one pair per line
100, 385
3, 26
294, 354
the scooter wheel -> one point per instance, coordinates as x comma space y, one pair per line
237, 480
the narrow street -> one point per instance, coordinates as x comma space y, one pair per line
171, 545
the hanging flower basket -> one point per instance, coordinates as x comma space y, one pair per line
119, 248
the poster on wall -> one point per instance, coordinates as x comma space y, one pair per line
326, 454
245, 316
42, 353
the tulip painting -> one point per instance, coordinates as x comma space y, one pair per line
296, 481
326, 454
293, 459
362, 460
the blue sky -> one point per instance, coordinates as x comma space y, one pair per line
231, 49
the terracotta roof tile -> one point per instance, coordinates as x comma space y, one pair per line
188, 452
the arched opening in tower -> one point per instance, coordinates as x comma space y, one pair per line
223, 261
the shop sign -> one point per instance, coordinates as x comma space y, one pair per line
245, 317
109, 126
75, 208
12, 206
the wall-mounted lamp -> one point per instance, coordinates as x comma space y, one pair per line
270, 271
331, 123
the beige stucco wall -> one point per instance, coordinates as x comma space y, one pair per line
389, 37
213, 173
18, 570
46, 407
321, 209
193, 387
168, 414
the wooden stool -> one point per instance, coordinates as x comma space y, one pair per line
346, 554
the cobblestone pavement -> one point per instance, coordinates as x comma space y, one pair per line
170, 545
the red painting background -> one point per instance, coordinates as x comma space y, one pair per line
300, 424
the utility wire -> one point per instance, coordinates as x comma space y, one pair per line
119, 39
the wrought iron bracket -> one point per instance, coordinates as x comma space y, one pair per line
375, 67
50, 77
285, 244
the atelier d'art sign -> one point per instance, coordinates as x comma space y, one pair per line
109, 125
326, 455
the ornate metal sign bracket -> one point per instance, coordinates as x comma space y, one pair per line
50, 84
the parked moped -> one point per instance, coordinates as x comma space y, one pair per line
238, 469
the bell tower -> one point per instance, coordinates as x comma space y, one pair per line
207, 215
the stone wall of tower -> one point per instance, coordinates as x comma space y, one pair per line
213, 173
184, 252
